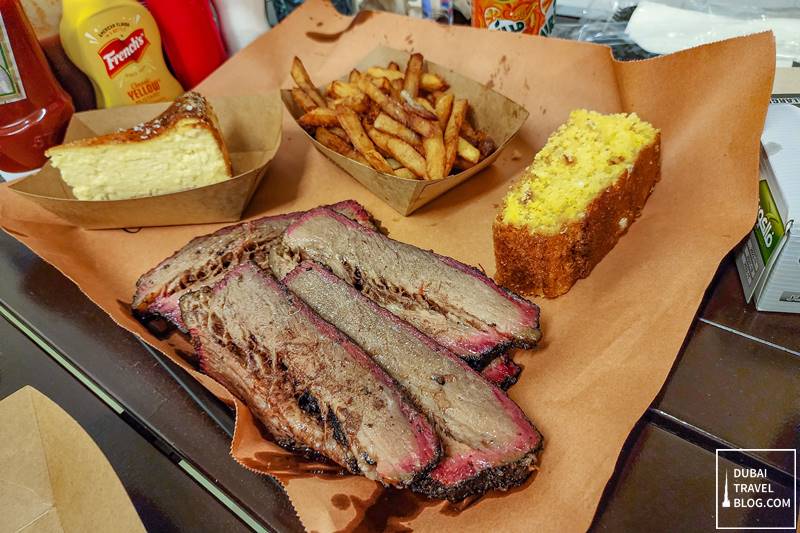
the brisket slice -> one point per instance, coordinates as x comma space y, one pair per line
456, 305
265, 330
502, 371
487, 440
205, 259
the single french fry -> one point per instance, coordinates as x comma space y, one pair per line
452, 133
339, 132
383, 84
387, 124
350, 122
413, 73
467, 152
477, 138
320, 116
358, 103
462, 164
332, 141
444, 105
400, 150
403, 172
435, 154
302, 79
305, 102
354, 76
427, 105
393, 66
337, 144
341, 89
378, 72
394, 163
432, 82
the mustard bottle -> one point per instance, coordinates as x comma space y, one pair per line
117, 45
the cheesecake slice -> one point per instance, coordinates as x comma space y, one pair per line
571, 205
178, 150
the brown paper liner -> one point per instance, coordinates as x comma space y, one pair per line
608, 344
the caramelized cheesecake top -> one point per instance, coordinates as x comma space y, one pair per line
581, 159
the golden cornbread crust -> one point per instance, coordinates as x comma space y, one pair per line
549, 265
190, 105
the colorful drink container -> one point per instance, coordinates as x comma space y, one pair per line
520, 16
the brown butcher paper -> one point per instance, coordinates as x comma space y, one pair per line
608, 344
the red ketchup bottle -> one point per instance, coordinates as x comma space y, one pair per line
192, 40
34, 109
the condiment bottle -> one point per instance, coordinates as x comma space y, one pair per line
192, 39
34, 109
116, 43
241, 21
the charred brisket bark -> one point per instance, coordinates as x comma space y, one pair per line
204, 260
487, 440
249, 330
456, 305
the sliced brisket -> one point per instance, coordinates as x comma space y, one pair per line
204, 260
254, 327
456, 305
502, 371
488, 442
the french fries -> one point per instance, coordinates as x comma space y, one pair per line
403, 172
350, 123
453, 133
302, 99
444, 105
432, 82
341, 89
389, 74
413, 74
468, 152
337, 144
387, 124
397, 120
403, 152
319, 117
303, 81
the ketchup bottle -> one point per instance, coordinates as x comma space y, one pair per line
34, 109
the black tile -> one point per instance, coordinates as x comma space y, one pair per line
741, 391
665, 483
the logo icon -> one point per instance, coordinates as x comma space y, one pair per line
726, 502
749, 497
119, 53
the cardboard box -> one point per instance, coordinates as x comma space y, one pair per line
769, 260
492, 112
54, 477
251, 129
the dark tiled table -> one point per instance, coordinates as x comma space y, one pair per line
735, 384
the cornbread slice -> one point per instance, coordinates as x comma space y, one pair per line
581, 193
180, 149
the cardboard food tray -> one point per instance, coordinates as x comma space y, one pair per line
608, 344
251, 129
492, 112
54, 477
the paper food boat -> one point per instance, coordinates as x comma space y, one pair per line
499, 116
251, 128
